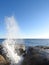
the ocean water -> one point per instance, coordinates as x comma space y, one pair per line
32, 42
37, 42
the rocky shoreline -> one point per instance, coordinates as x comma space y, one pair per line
32, 56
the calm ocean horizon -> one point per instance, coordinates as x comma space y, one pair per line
32, 42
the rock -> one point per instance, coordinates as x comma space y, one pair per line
35, 57
2, 60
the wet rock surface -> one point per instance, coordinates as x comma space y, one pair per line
32, 56
35, 56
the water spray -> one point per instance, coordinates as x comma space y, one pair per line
9, 43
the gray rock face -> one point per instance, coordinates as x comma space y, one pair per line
35, 56
32, 56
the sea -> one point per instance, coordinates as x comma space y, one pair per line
32, 42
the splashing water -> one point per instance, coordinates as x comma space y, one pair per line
9, 43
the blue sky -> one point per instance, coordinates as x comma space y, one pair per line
32, 17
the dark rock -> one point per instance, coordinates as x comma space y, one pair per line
34, 57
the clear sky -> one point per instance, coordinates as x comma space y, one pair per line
32, 17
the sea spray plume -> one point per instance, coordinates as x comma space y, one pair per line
13, 30
10, 51
8, 44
